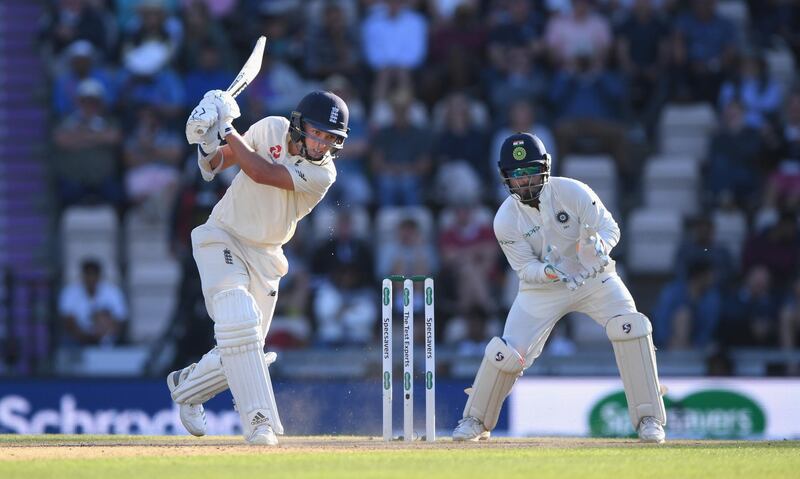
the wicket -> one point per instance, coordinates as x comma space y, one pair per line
408, 356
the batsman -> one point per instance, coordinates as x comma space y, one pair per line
557, 236
286, 167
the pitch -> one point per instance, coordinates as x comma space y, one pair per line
178, 457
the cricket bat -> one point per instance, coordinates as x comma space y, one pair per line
247, 74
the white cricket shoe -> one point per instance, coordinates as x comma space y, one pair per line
263, 435
193, 416
651, 430
470, 429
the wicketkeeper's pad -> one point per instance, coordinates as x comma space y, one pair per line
632, 339
499, 370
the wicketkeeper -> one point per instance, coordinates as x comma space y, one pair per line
557, 236
286, 169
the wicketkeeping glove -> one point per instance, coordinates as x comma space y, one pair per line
553, 270
592, 251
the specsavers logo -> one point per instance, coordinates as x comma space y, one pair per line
711, 414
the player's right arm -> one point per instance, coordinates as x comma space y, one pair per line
529, 267
254, 165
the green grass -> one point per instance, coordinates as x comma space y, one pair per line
529, 459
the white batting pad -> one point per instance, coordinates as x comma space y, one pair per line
236, 327
201, 381
632, 339
499, 370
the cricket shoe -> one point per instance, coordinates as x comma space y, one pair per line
470, 429
193, 416
263, 435
651, 430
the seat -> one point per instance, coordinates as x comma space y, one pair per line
653, 236
90, 232
597, 171
672, 183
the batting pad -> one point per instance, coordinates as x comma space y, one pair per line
631, 337
201, 381
499, 370
240, 344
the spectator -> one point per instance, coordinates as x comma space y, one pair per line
688, 310
399, 158
208, 73
204, 34
459, 153
521, 28
276, 90
92, 311
73, 20
152, 154
345, 308
700, 245
519, 80
147, 80
394, 38
282, 23
733, 159
759, 93
750, 316
469, 254
784, 182
87, 142
588, 102
581, 36
333, 46
703, 48
81, 66
777, 248
344, 248
407, 252
643, 55
153, 24
448, 69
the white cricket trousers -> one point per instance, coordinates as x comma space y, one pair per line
535, 312
226, 262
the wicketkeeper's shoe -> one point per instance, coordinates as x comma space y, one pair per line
193, 416
470, 429
651, 430
263, 435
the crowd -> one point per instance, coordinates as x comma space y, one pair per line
433, 87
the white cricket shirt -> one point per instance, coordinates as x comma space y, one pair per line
265, 214
524, 232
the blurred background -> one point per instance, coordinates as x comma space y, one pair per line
684, 116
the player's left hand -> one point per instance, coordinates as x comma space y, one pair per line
227, 109
201, 125
592, 252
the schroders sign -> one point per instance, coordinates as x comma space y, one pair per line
696, 408
717, 414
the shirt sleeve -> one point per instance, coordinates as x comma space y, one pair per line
592, 212
518, 252
309, 178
